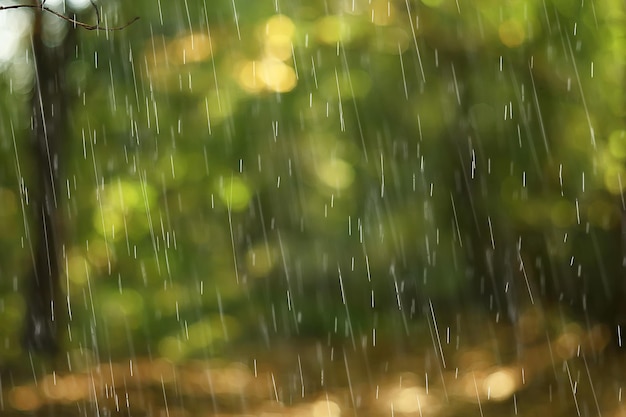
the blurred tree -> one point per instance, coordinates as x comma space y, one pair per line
49, 135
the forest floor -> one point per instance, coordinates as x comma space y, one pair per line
483, 370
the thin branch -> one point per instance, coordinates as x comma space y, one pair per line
96, 10
70, 20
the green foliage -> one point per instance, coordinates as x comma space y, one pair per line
281, 170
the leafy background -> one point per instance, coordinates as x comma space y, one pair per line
262, 171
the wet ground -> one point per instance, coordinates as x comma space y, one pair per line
463, 367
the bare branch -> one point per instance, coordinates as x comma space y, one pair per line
70, 20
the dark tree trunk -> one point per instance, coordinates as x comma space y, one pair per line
49, 122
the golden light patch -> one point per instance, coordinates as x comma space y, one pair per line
269, 74
24, 399
569, 341
277, 75
190, 48
279, 50
413, 400
382, 12
326, 408
278, 34
279, 26
511, 33
501, 384
248, 78
336, 173
67, 389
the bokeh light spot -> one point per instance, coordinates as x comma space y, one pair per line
511, 33
277, 75
617, 144
501, 384
235, 193
336, 173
